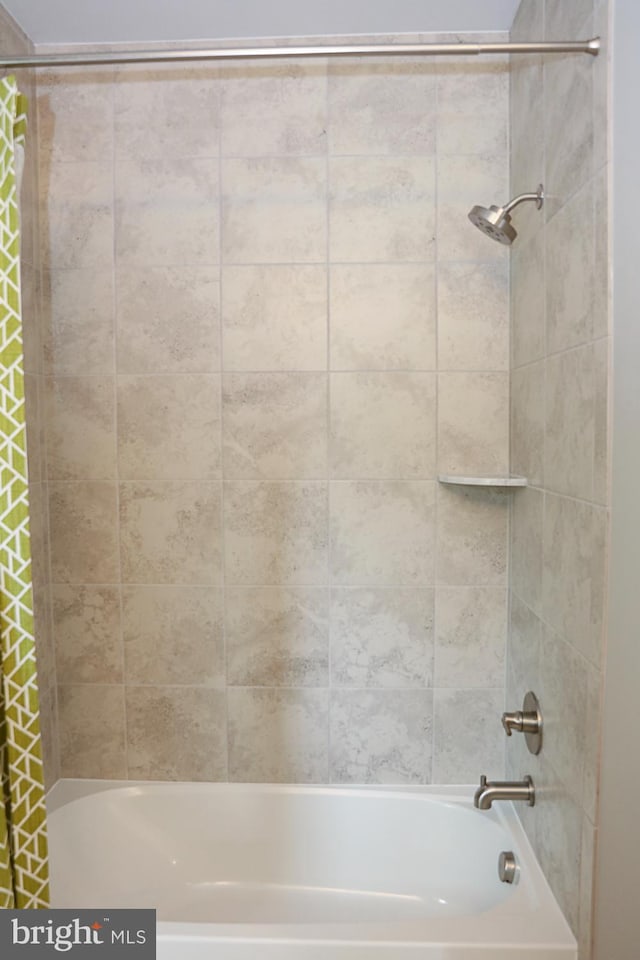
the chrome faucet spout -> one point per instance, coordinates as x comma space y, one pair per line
490, 790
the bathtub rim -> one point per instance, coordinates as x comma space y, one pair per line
68, 789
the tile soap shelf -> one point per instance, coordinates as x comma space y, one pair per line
508, 480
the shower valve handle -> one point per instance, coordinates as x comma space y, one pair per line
527, 721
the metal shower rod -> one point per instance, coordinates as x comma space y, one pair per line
343, 50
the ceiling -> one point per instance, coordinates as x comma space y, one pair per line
94, 21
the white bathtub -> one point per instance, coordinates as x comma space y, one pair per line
252, 872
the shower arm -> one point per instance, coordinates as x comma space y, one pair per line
538, 196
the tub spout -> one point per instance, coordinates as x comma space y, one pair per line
490, 790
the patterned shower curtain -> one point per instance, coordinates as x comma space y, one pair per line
24, 880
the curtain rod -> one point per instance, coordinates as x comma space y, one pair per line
244, 53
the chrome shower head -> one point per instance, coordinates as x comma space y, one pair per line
495, 222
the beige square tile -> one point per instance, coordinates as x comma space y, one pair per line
39, 524
381, 736
603, 260
382, 106
49, 734
559, 849
473, 316
470, 86
473, 103
76, 215
382, 209
278, 736
169, 427
173, 635
472, 134
526, 126
29, 212
602, 27
277, 637
81, 429
585, 906
34, 415
83, 518
383, 316
574, 572
471, 636
77, 322
565, 19
32, 320
563, 697
472, 537
43, 634
274, 317
167, 212
528, 386
75, 115
88, 643
593, 715
176, 733
275, 425
170, 532
526, 122
473, 423
166, 111
570, 424
465, 729
462, 182
92, 732
528, 299
382, 533
601, 441
276, 108
569, 274
253, 189
381, 638
523, 651
168, 320
276, 533
527, 519
568, 102
383, 425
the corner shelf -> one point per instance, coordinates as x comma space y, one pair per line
511, 480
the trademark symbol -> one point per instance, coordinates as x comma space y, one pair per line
106, 919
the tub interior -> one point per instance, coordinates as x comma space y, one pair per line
216, 854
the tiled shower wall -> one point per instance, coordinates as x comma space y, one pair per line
560, 383
14, 43
270, 325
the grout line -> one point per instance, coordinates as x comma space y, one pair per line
355, 688
222, 375
267, 158
556, 633
328, 423
428, 777
43, 393
116, 451
287, 586
510, 354
124, 264
309, 372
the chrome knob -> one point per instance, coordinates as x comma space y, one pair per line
527, 721
508, 867
512, 721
